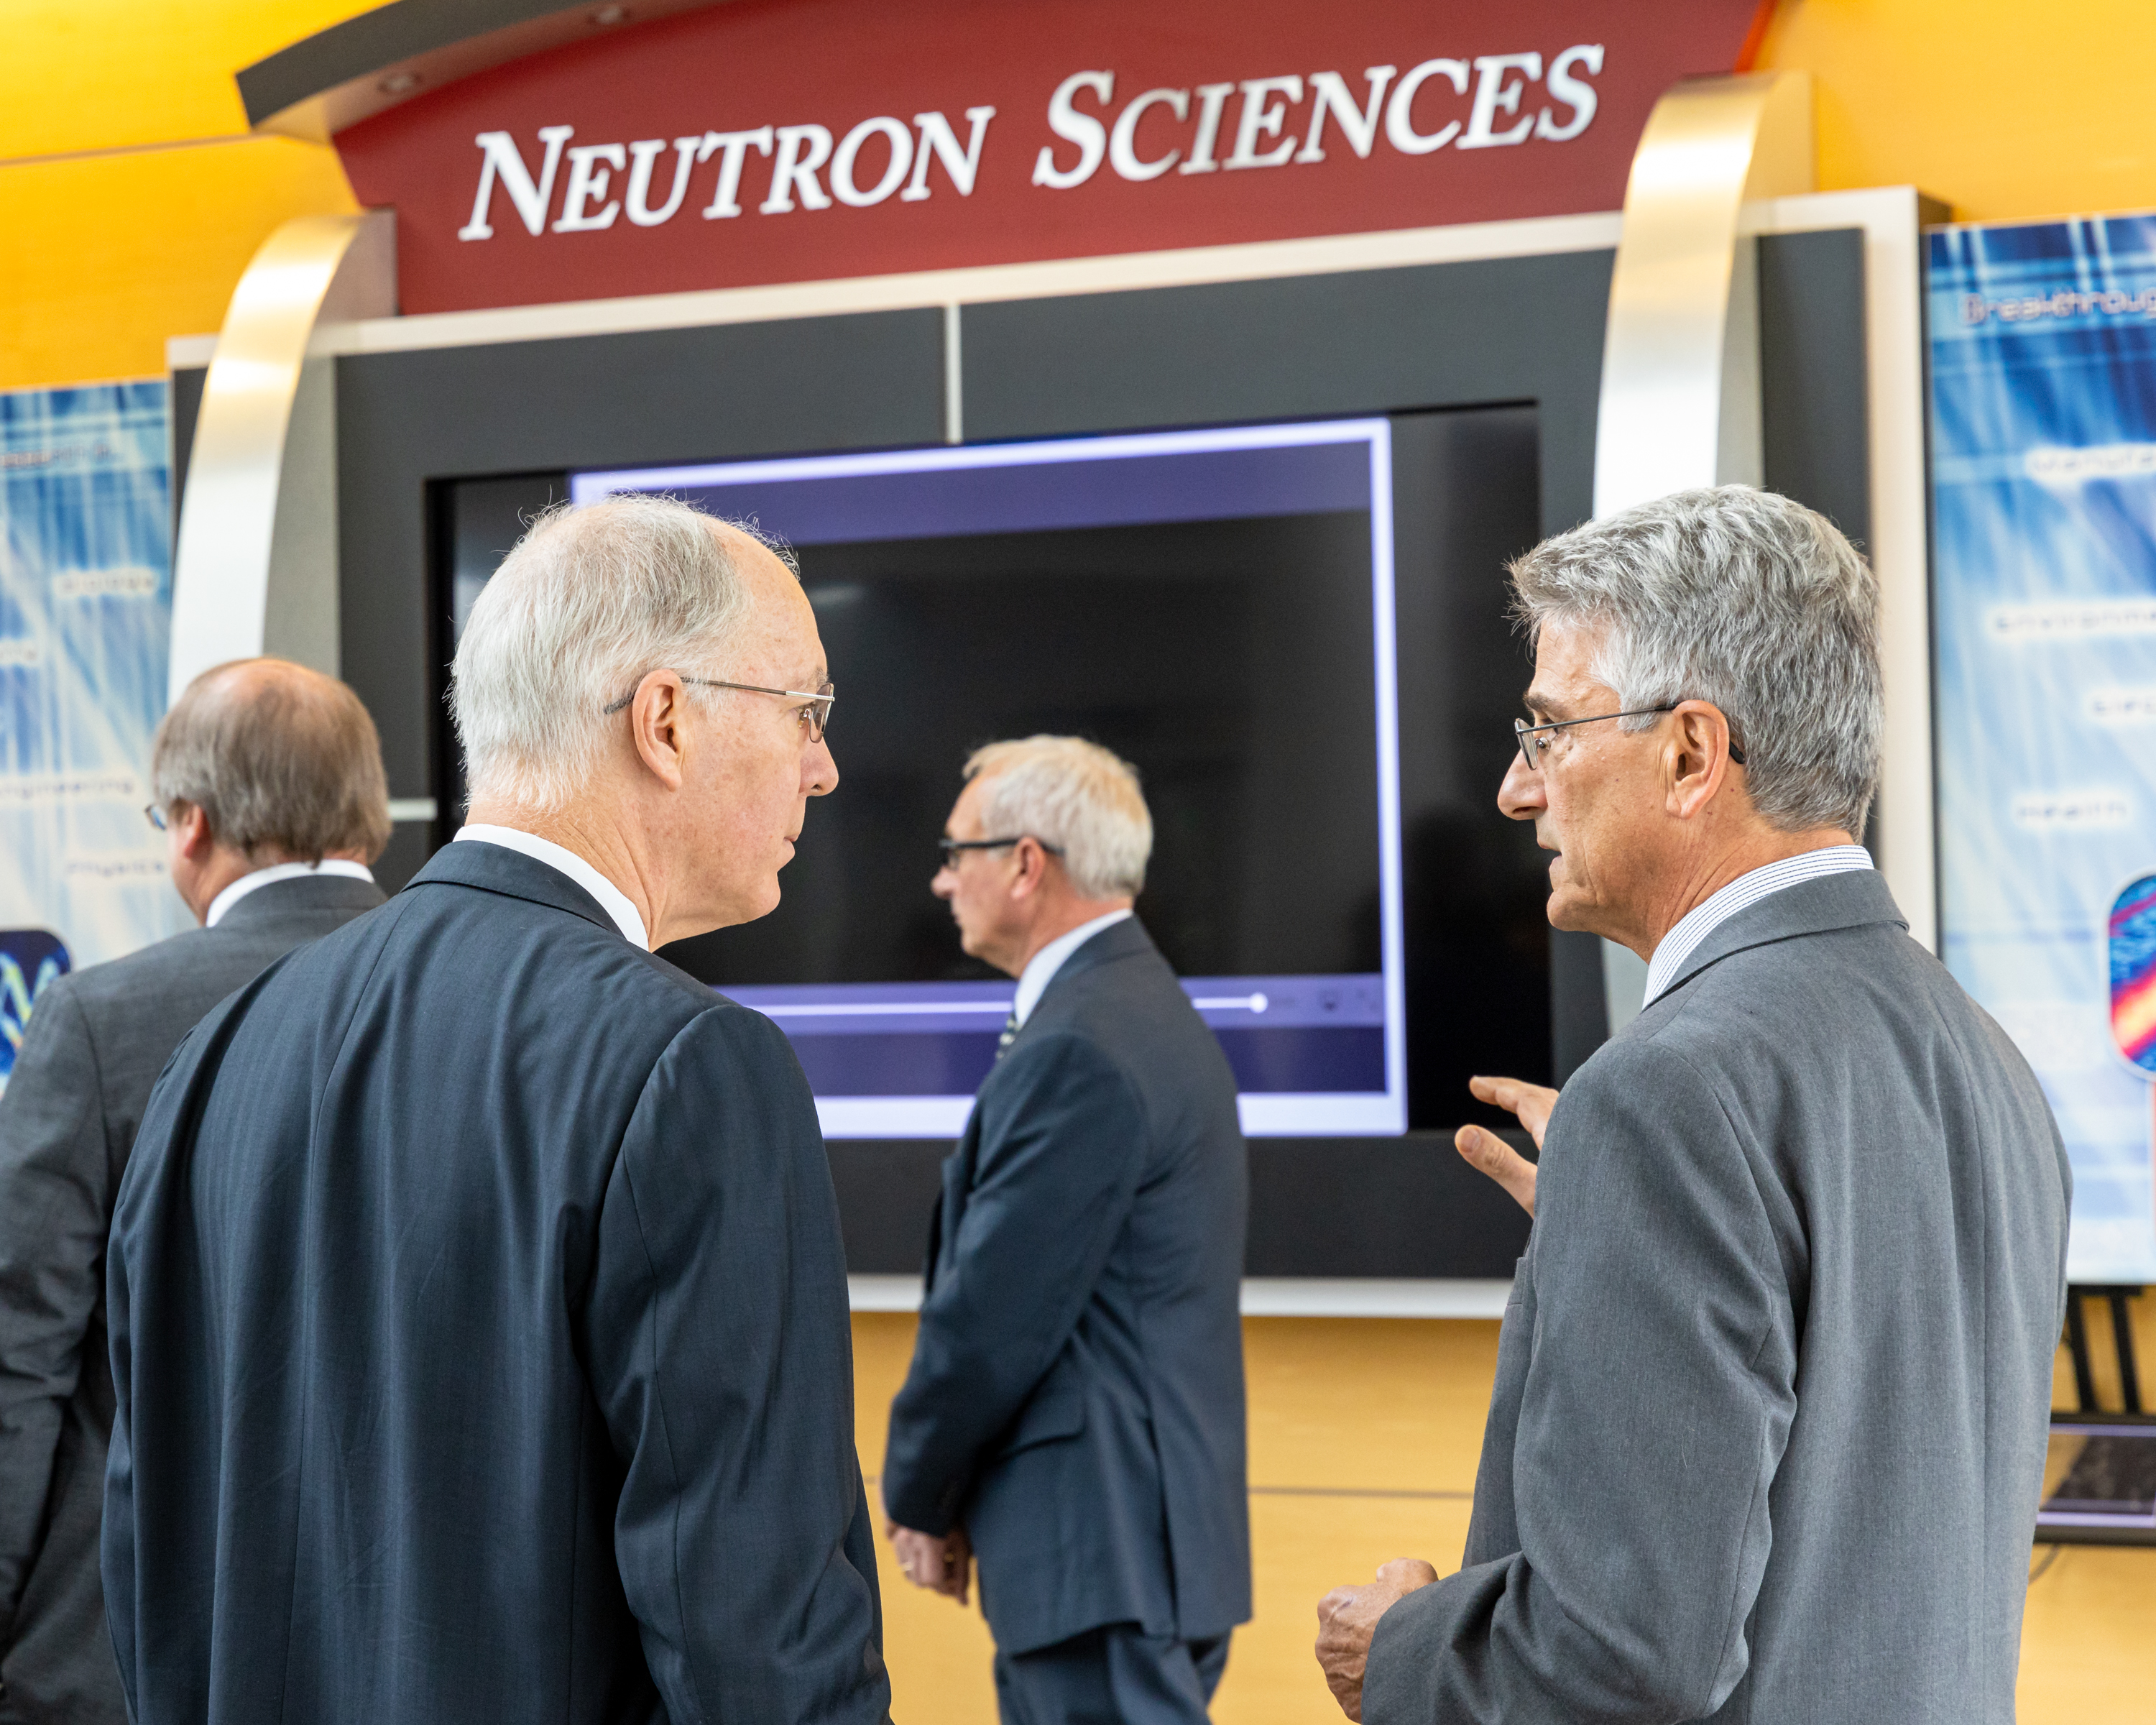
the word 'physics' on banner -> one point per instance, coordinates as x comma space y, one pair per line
2043, 355
85, 606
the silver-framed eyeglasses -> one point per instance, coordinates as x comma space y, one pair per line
1532, 742
816, 715
155, 815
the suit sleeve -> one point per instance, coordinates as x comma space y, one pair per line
1059, 1161
719, 1345
55, 1202
1652, 1419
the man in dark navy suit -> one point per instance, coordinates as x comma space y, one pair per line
1073, 1415
478, 1313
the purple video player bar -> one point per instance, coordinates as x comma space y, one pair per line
1302, 1035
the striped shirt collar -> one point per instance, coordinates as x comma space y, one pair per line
1700, 921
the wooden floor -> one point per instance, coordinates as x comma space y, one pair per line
1363, 1439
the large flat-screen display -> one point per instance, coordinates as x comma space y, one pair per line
1296, 632
1215, 606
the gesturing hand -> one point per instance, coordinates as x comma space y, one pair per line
1347, 1617
1491, 1153
942, 1563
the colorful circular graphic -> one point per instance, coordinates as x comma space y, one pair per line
30, 958
2133, 974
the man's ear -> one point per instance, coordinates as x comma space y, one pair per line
1032, 869
192, 824
1697, 764
655, 714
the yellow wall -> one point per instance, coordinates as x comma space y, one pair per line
2004, 109
131, 198
1364, 1435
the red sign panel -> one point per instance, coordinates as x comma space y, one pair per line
772, 140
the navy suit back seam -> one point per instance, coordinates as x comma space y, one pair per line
358, 996
307, 1260
650, 1341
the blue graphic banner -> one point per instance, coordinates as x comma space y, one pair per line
85, 604
2043, 355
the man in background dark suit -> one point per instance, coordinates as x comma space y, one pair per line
268, 783
479, 1313
1074, 1415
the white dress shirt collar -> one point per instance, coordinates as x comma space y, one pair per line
1040, 969
1682, 941
275, 872
612, 899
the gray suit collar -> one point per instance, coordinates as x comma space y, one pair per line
1854, 900
299, 896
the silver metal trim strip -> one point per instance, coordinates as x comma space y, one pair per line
254, 568
1278, 1296
983, 284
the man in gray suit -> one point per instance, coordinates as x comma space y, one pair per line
1772, 1386
1074, 1415
269, 787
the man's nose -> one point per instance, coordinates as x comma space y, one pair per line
819, 770
1521, 796
941, 883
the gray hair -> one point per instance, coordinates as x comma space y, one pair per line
278, 757
1746, 599
1075, 795
590, 602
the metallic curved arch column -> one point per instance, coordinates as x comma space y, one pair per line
1681, 358
254, 570
1679, 402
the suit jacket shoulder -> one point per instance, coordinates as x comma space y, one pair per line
1120, 998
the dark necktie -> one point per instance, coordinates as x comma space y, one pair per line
1009, 1035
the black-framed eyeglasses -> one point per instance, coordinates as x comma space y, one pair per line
817, 715
951, 849
155, 815
1532, 742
